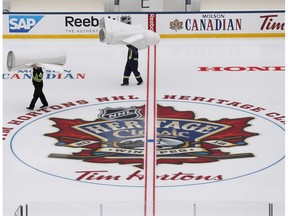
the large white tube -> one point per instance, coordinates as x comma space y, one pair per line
20, 58
115, 32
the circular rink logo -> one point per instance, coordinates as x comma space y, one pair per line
197, 141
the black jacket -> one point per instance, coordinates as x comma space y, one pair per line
37, 78
132, 53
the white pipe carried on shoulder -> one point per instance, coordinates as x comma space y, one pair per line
115, 32
22, 58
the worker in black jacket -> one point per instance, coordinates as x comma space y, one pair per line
37, 81
132, 66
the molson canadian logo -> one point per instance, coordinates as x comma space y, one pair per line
49, 74
117, 136
208, 22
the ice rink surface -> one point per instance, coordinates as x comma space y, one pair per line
209, 117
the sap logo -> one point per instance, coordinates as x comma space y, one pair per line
23, 23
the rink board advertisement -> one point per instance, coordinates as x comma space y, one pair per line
204, 133
168, 25
63, 24
221, 23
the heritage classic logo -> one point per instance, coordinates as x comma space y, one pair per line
198, 140
117, 136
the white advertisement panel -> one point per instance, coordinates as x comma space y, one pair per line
62, 24
221, 23
228, 24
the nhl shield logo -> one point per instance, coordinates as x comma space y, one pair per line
119, 113
126, 19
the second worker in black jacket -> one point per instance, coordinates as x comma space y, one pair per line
37, 80
132, 66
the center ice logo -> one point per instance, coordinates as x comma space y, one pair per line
181, 138
23, 24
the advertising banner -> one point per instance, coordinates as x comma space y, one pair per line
168, 25
220, 24
62, 25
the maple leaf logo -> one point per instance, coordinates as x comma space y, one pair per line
181, 137
176, 25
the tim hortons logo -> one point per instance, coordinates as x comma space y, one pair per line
269, 23
118, 136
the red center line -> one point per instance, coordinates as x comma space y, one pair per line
151, 132
146, 129
154, 136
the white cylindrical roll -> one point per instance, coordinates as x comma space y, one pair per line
25, 57
115, 32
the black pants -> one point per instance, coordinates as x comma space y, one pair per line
131, 66
38, 93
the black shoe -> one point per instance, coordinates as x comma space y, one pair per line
44, 106
29, 108
140, 83
124, 84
